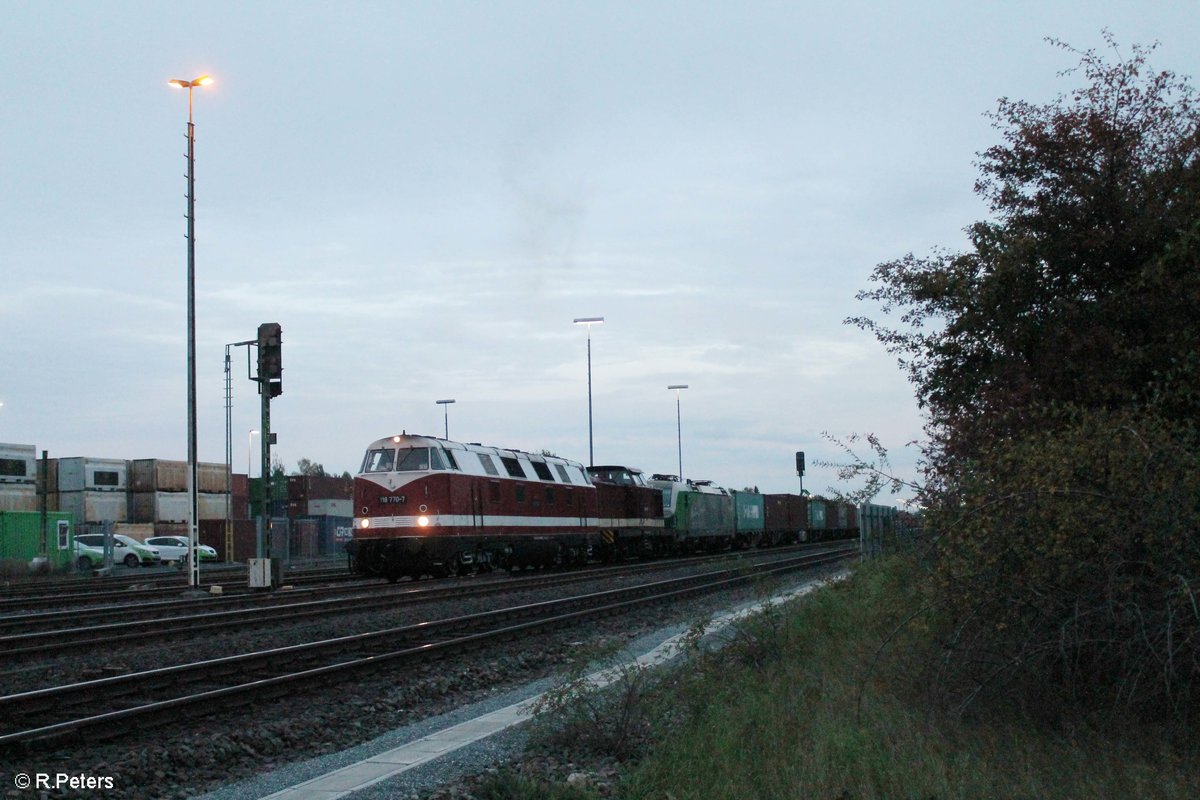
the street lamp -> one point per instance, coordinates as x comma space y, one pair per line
193, 562
445, 404
678, 426
589, 321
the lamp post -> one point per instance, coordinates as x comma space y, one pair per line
589, 321
445, 404
193, 562
678, 424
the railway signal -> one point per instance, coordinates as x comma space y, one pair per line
270, 357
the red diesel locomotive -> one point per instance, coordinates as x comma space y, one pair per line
429, 506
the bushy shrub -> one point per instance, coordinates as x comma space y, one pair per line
1067, 568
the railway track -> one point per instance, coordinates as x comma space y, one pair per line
108, 707
43, 634
150, 583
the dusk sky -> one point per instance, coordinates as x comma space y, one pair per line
425, 195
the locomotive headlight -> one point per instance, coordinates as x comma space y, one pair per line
423, 521
365, 523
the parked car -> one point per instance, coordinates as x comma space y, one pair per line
87, 557
126, 550
175, 548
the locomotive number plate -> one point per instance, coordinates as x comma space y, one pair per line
392, 499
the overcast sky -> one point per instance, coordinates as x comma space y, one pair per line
425, 195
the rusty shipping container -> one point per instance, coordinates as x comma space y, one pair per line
135, 530
157, 475
212, 505
785, 512
321, 508
212, 533
303, 488
210, 478
19, 497
158, 506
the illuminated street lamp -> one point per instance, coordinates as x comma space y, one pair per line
678, 426
193, 562
589, 321
445, 404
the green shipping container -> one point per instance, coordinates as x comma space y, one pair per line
21, 540
702, 515
748, 512
816, 513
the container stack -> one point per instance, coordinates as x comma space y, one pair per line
158, 493
18, 477
321, 510
240, 499
94, 489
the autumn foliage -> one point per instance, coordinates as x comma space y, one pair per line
1058, 360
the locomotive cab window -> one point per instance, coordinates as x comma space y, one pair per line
413, 459
435, 459
379, 460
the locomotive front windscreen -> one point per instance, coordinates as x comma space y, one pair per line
413, 459
406, 459
379, 460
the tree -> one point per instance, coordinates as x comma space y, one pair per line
1083, 288
306, 467
1057, 360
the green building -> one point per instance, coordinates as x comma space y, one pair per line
22, 540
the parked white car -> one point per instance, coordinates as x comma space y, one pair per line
175, 548
126, 550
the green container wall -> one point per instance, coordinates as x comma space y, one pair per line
816, 514
21, 538
703, 514
749, 512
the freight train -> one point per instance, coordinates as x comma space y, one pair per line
429, 506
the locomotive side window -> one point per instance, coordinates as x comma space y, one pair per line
413, 459
542, 470
379, 460
488, 466
435, 459
562, 473
513, 466
450, 459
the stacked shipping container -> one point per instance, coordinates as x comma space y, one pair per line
321, 509
18, 477
158, 491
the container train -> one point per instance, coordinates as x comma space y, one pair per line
429, 506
